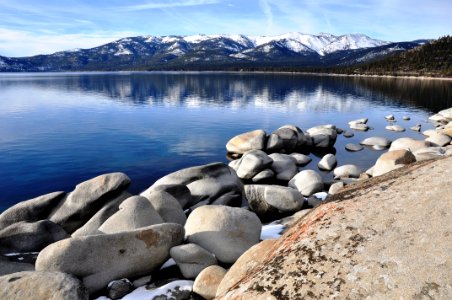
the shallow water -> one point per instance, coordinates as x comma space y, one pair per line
58, 129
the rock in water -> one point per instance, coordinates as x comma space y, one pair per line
328, 162
213, 183
192, 259
439, 140
253, 162
392, 160
323, 136
253, 140
284, 166
348, 134
87, 198
376, 141
353, 147
41, 285
224, 231
100, 259
207, 282
301, 159
396, 128
307, 182
347, 171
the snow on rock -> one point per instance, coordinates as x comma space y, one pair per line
272, 231
172, 290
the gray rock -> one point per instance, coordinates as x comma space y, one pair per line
192, 259
406, 118
348, 134
408, 144
328, 162
8, 267
335, 187
390, 117
252, 162
263, 175
100, 259
93, 224
234, 164
213, 183
353, 147
376, 141
167, 207
416, 128
224, 231
41, 285
288, 137
135, 212
439, 140
87, 198
31, 210
253, 140
392, 160
119, 288
358, 121
301, 159
30, 237
378, 147
302, 139
264, 199
307, 182
207, 282
142, 281
284, 166
359, 126
346, 171
274, 143
430, 153
396, 128
323, 136
178, 191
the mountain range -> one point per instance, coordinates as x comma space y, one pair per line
212, 52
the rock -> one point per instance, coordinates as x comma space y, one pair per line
359, 121
301, 159
207, 282
359, 126
302, 139
214, 183
447, 131
284, 166
416, 128
397, 128
224, 231
30, 237
252, 162
92, 226
135, 212
263, 175
179, 191
167, 207
406, 118
100, 259
234, 164
429, 132
267, 199
438, 118
348, 134
119, 288
287, 140
376, 141
323, 136
8, 267
328, 162
347, 171
392, 160
251, 258
192, 259
430, 153
353, 147
177, 290
32, 210
370, 171
142, 281
274, 143
446, 113
87, 198
41, 285
292, 220
307, 182
339, 130
335, 187
439, 140
390, 117
408, 144
253, 140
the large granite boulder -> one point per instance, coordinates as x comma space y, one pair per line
347, 171
439, 140
284, 166
376, 141
135, 212
192, 259
87, 198
29, 285
30, 237
224, 231
301, 159
253, 140
207, 282
99, 259
215, 183
307, 182
251, 163
323, 136
328, 162
392, 160
286, 138
31, 210
179, 191
408, 144
167, 207
8, 267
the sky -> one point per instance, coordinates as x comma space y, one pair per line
30, 27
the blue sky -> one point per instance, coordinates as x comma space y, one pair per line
29, 27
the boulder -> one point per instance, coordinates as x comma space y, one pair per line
302, 139
447, 131
376, 141
406, 118
390, 117
32, 210
283, 139
99, 259
253, 140
307, 182
192, 259
41, 285
301, 159
347, 171
359, 126
353, 147
323, 136
179, 191
328, 162
252, 162
167, 207
145, 280
110, 208
263, 175
396, 128
30, 237
207, 282
87, 198
274, 143
267, 199
224, 231
8, 267
335, 187
392, 160
446, 113
284, 166
408, 144
439, 140
429, 132
430, 153
213, 183
416, 128
119, 288
135, 212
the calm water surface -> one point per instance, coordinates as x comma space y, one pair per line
57, 130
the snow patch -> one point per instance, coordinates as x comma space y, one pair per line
272, 231
122, 51
167, 291
238, 55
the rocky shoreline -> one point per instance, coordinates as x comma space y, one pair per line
194, 232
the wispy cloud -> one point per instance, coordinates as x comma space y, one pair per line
170, 4
267, 10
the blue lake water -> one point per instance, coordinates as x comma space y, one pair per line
58, 129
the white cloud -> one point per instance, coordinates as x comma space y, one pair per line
170, 4
266, 8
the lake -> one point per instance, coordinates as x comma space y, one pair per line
59, 129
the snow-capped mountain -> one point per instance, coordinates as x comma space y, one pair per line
209, 51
